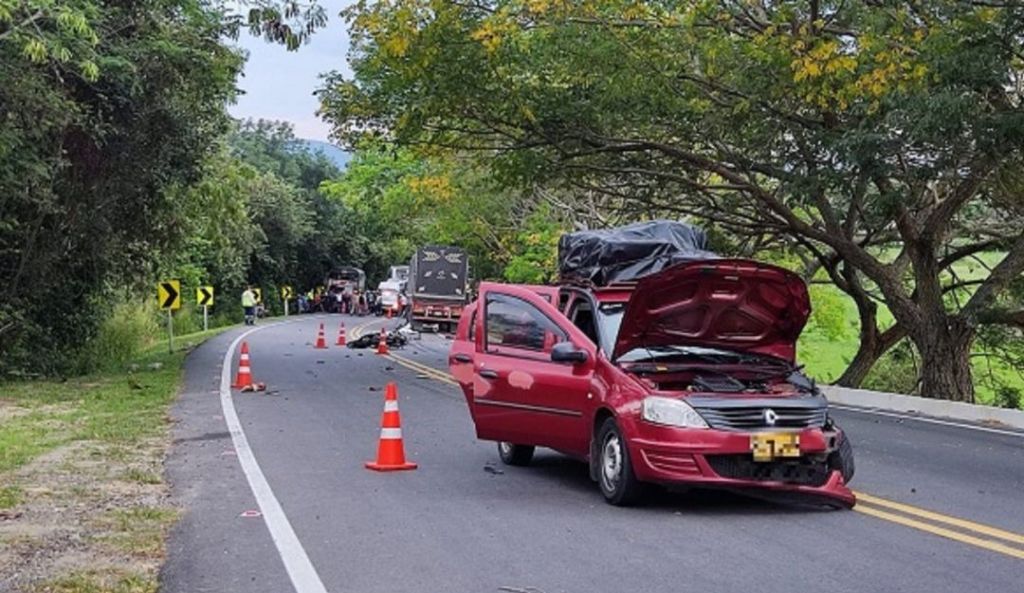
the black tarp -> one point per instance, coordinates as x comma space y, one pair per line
628, 253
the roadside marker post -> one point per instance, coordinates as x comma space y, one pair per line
168, 294
287, 292
204, 298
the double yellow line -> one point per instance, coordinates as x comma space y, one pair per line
967, 532
421, 368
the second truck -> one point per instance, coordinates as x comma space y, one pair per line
438, 287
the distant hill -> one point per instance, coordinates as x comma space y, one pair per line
336, 155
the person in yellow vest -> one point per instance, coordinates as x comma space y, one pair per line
249, 305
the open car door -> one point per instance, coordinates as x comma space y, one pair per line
532, 371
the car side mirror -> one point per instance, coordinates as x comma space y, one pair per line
567, 352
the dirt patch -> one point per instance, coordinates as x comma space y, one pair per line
86, 508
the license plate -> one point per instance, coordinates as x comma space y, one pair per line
768, 446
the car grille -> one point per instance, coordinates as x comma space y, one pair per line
734, 414
754, 418
804, 472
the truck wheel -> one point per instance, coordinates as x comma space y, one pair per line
511, 454
842, 459
615, 470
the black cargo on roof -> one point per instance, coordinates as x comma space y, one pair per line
628, 253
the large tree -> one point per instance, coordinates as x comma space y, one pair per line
881, 138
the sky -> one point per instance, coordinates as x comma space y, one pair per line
279, 84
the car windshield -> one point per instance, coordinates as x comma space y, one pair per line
610, 319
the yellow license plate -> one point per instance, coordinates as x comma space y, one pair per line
768, 446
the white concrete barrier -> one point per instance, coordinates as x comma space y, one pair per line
912, 404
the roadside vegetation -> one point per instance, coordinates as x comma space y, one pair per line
83, 503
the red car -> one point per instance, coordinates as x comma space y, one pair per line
687, 377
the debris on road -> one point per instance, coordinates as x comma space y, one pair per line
252, 387
491, 469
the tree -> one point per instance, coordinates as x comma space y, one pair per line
109, 109
875, 137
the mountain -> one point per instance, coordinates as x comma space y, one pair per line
336, 155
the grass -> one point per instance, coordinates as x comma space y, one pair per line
100, 582
138, 531
109, 427
116, 407
10, 496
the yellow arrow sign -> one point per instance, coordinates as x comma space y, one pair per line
287, 292
204, 296
168, 293
259, 294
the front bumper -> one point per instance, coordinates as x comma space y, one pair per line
723, 459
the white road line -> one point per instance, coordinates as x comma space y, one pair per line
877, 412
300, 570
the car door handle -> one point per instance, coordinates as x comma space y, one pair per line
462, 358
488, 374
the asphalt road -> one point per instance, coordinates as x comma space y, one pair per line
463, 523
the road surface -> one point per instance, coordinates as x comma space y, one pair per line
276, 497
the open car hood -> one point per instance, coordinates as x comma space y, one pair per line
731, 304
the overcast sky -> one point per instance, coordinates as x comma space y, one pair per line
279, 84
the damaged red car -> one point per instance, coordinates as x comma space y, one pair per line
685, 377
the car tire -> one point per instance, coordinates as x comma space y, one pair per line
615, 476
512, 454
842, 459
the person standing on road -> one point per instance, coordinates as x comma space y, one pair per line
249, 305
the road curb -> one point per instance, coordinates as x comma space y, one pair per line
912, 404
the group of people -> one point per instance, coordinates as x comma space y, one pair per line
356, 302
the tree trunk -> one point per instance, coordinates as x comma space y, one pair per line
945, 349
873, 343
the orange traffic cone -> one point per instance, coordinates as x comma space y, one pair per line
341, 335
244, 377
382, 345
390, 450
321, 342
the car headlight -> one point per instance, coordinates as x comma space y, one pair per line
671, 412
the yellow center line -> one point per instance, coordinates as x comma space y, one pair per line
430, 372
941, 518
865, 501
940, 531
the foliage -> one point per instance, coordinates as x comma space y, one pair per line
881, 140
111, 109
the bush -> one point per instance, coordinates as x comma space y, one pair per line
131, 327
896, 372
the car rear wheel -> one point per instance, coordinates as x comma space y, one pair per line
614, 468
512, 454
842, 459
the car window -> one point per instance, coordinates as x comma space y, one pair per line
511, 322
472, 326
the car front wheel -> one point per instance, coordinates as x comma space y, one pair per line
515, 454
615, 470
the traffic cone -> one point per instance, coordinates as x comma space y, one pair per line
382, 345
244, 377
321, 342
390, 450
341, 335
